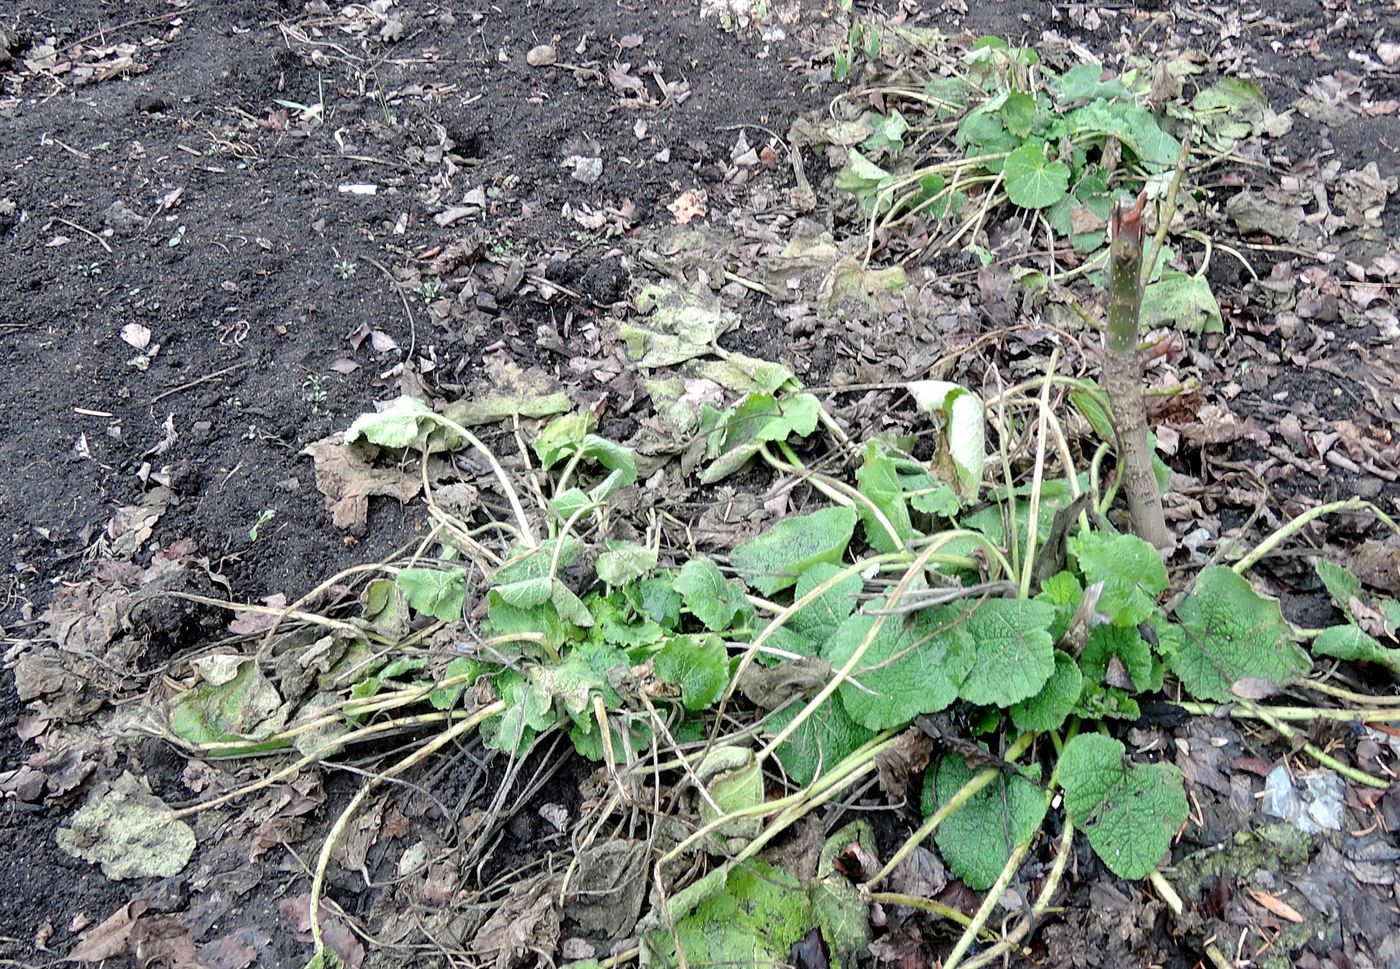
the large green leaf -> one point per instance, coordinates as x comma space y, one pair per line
440, 593
1129, 812
1033, 181
1351, 642
819, 742
819, 618
908, 669
1049, 708
1229, 632
699, 665
1014, 652
976, 839
709, 596
1132, 572
773, 561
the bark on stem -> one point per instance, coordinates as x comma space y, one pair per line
1123, 377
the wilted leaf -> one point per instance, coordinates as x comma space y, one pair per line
129, 831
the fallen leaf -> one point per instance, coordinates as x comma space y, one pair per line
136, 336
1276, 905
109, 939
348, 479
129, 831
690, 205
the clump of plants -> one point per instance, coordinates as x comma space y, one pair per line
981, 613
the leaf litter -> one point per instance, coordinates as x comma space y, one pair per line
678, 642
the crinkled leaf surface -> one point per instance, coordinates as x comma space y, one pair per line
1351, 642
228, 708
819, 742
774, 560
753, 921
621, 562
1129, 812
909, 667
683, 324
1124, 642
1014, 652
397, 425
439, 593
757, 420
709, 596
1132, 572
1049, 708
974, 838
819, 618
1229, 632
1182, 300
699, 665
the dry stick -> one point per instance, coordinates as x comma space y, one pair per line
198, 380
1122, 368
87, 232
1042, 903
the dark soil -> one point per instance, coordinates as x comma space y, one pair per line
258, 271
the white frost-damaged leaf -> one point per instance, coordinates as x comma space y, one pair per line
965, 427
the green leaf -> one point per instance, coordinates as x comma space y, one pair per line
908, 669
1351, 642
753, 920
1182, 300
699, 665
1132, 572
1014, 652
657, 599
1129, 812
503, 619
397, 425
1124, 642
867, 181
526, 593
1341, 585
820, 742
878, 480
1229, 632
757, 420
1032, 180
973, 840
562, 437
733, 779
887, 133
1049, 708
235, 702
964, 429
440, 593
709, 596
1134, 127
819, 618
843, 914
1086, 81
622, 562
445, 697
1092, 410
773, 561
1063, 592
1018, 113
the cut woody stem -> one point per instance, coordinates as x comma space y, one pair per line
1123, 376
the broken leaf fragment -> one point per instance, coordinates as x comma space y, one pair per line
681, 325
129, 831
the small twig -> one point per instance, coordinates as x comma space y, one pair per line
394, 285
197, 381
87, 232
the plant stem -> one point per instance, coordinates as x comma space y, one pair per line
1123, 378
1291, 528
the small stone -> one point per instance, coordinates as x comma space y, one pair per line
119, 218
542, 56
486, 303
